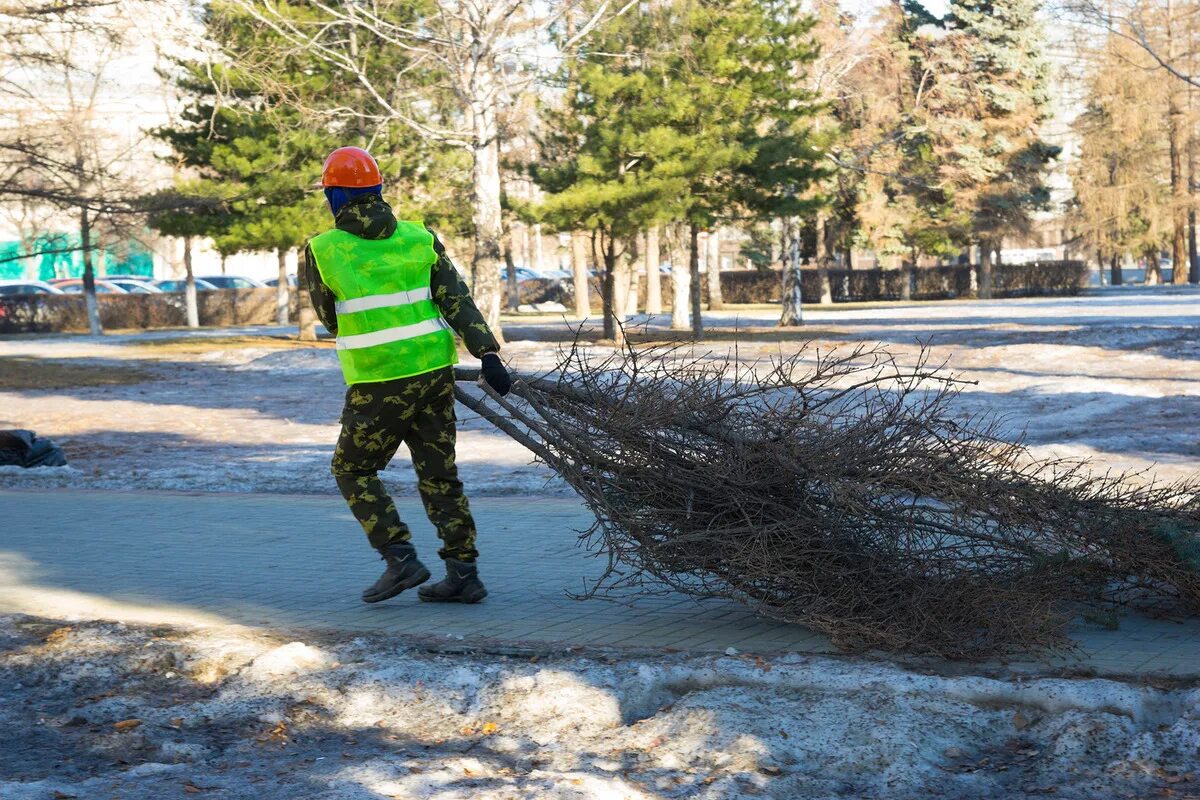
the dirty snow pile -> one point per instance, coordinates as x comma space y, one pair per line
102, 710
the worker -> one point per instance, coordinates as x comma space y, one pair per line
392, 297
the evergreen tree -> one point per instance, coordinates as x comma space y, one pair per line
687, 110
985, 119
890, 173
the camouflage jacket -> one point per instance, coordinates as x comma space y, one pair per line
369, 217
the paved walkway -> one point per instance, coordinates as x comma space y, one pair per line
299, 562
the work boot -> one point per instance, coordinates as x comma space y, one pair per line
461, 585
404, 571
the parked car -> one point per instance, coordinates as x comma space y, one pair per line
75, 286
180, 284
134, 286
9, 288
232, 282
291, 279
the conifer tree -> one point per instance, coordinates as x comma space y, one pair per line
985, 119
688, 110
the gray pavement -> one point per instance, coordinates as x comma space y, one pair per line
298, 562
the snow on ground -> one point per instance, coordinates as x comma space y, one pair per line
104, 710
1113, 376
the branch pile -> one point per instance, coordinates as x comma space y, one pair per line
846, 492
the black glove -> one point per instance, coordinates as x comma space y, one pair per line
495, 374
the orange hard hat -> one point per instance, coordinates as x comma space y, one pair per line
351, 167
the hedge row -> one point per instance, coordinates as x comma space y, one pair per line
860, 285
42, 313
45, 313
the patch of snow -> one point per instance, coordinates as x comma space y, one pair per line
364, 718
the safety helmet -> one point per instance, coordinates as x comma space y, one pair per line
352, 168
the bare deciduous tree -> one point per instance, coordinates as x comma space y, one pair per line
482, 50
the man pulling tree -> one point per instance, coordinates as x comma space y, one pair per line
394, 300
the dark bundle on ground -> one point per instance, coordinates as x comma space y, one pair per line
844, 491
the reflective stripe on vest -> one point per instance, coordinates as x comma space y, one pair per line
388, 325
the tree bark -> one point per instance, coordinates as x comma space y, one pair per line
89, 273
1153, 268
282, 290
985, 271
793, 311
636, 253
1176, 133
822, 255
304, 310
653, 278
607, 256
510, 272
1116, 278
579, 265
681, 283
694, 270
189, 291
712, 262
485, 177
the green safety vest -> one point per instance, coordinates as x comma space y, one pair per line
388, 325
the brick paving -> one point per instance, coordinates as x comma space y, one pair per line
292, 562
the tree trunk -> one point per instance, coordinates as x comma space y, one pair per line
89, 273
1115, 270
485, 177
621, 272
694, 270
681, 282
539, 252
713, 263
282, 290
633, 262
906, 281
510, 272
1193, 255
304, 310
607, 257
189, 291
793, 311
822, 255
1153, 268
985, 271
579, 265
1177, 135
653, 278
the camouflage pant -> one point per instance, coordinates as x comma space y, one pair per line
418, 411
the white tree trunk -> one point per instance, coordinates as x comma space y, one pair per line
713, 261
539, 253
621, 292
485, 178
681, 286
282, 291
653, 279
579, 266
634, 279
189, 292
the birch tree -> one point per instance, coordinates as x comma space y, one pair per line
481, 55
55, 63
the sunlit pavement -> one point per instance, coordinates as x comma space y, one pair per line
292, 563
